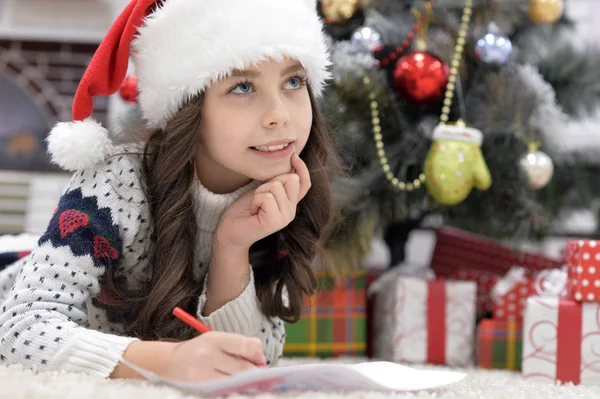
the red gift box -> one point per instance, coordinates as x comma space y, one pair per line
583, 270
511, 306
458, 253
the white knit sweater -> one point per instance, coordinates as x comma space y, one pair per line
49, 319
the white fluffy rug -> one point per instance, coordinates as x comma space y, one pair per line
16, 383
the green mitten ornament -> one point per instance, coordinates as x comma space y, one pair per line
455, 164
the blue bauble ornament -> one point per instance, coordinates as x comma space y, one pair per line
493, 48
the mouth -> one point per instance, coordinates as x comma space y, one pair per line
272, 148
275, 150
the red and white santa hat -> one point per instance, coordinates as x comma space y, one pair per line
178, 48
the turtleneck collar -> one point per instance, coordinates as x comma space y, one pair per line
210, 207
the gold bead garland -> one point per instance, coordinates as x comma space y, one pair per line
456, 58
375, 121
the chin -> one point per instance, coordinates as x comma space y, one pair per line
270, 174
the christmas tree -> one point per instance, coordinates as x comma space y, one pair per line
463, 109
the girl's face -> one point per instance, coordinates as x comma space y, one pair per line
252, 122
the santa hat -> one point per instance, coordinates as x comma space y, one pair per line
178, 48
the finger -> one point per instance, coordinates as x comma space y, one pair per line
281, 198
291, 185
303, 174
258, 202
269, 211
250, 349
264, 188
265, 209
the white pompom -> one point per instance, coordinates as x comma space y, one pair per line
78, 145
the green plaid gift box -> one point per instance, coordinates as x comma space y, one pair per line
333, 321
500, 344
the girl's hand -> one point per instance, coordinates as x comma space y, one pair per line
213, 355
266, 210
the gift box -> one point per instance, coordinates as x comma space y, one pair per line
425, 321
512, 305
510, 294
499, 344
561, 338
463, 255
583, 269
484, 280
333, 320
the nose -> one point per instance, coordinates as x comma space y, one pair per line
277, 113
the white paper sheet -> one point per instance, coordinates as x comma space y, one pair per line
374, 376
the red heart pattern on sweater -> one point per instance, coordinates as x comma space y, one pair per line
103, 249
71, 220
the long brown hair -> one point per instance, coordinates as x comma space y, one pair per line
169, 176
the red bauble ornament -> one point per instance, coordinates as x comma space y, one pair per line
421, 77
128, 90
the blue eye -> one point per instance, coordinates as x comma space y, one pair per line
295, 83
242, 88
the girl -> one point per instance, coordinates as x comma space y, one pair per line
215, 212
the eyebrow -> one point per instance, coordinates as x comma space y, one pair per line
297, 67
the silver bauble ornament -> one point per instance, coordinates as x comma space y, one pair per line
538, 167
367, 39
493, 48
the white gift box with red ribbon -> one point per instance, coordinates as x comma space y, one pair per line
561, 337
561, 341
424, 321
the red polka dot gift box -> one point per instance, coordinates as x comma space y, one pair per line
510, 305
583, 268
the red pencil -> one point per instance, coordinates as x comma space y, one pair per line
196, 324
190, 320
